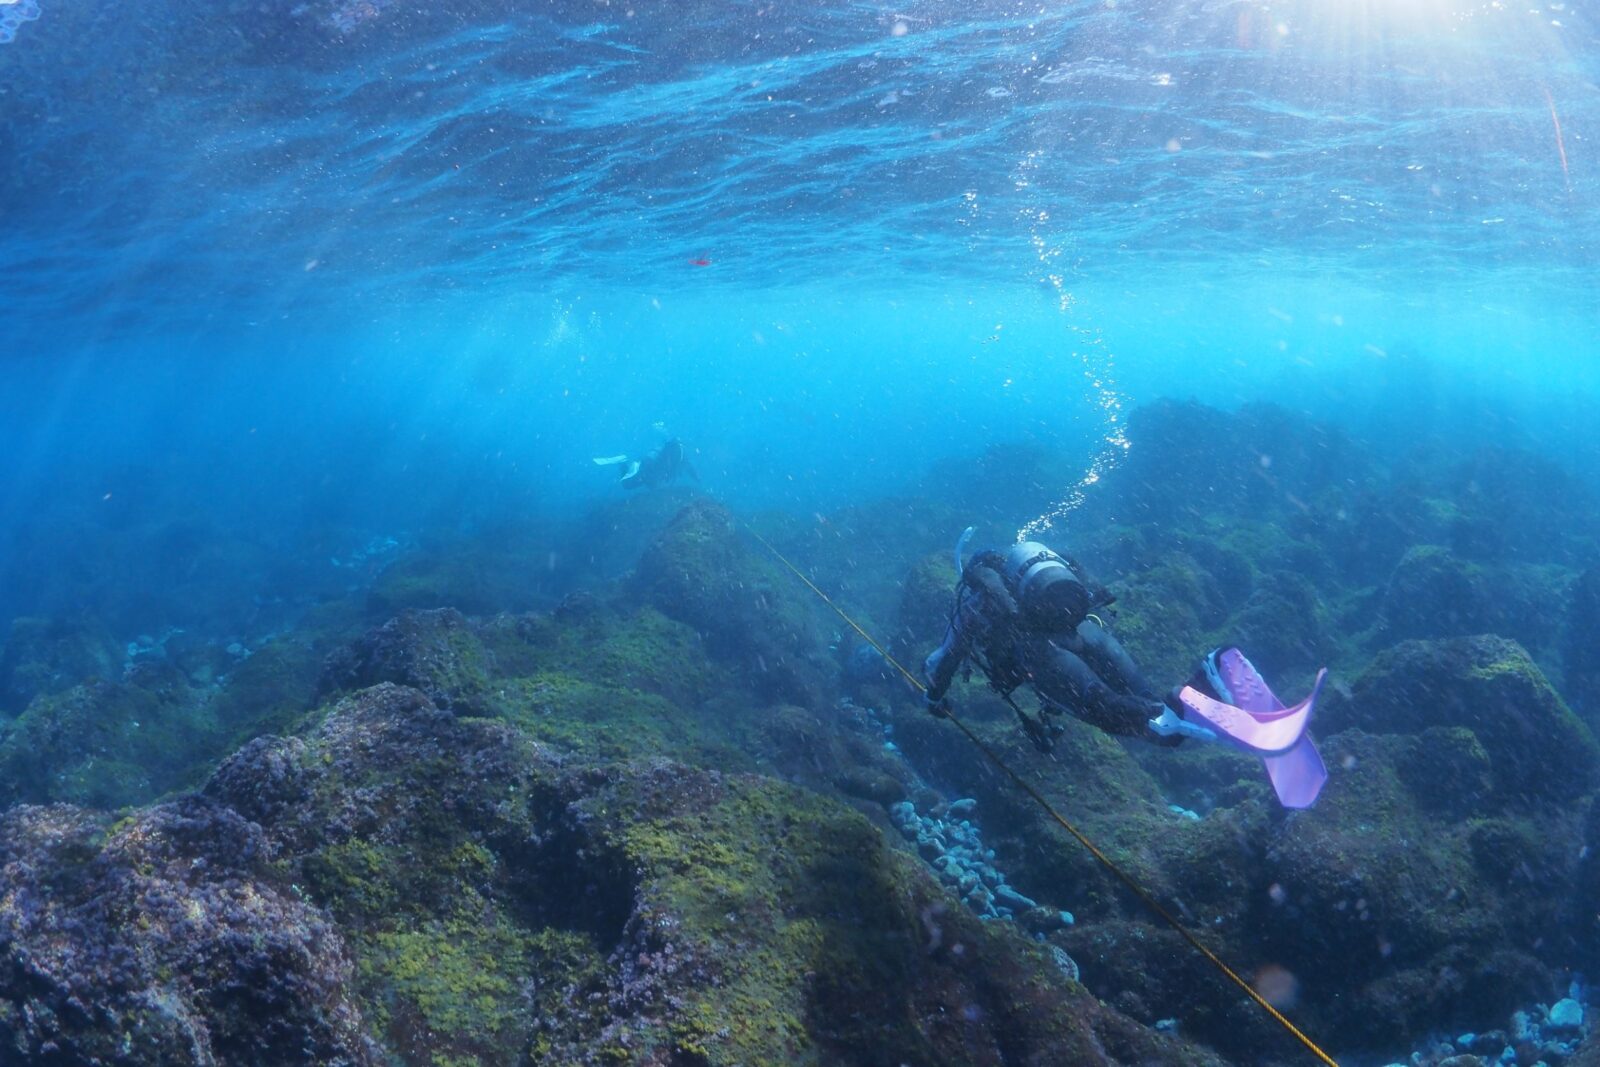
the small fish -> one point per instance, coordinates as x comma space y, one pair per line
700, 261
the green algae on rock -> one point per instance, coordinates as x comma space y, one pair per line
50, 655
752, 615
109, 744
443, 891
1538, 749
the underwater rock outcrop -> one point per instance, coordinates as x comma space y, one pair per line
643, 827
114, 743
927, 596
164, 938
50, 655
468, 578
109, 744
702, 572
403, 885
1435, 593
434, 651
1537, 748
1420, 906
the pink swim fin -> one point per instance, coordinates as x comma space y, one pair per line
1251, 718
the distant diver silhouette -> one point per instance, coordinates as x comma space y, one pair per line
661, 467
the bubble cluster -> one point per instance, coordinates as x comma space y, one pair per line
1094, 359
14, 13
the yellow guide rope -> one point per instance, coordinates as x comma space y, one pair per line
1038, 798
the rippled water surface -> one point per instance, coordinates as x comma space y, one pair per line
185, 159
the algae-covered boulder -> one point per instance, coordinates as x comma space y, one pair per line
1090, 775
1434, 593
405, 886
927, 596
50, 655
616, 532
1516, 504
164, 939
268, 690
1283, 626
751, 613
1400, 911
434, 651
1538, 749
472, 577
1581, 644
1165, 612
108, 744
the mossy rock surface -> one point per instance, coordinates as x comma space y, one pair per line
927, 596
1538, 749
109, 744
1436, 593
42, 655
271, 689
165, 937
405, 886
436, 651
1380, 885
753, 616
472, 579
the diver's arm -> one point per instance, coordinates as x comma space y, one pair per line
939, 669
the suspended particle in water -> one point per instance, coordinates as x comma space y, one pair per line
1277, 985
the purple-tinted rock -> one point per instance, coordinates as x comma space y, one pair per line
164, 940
435, 652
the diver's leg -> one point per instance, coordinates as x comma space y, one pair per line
1065, 682
1108, 659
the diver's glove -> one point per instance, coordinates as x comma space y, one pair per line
1169, 724
939, 709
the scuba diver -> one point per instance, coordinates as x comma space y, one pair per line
659, 468
1026, 616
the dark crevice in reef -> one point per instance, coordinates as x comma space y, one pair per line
561, 875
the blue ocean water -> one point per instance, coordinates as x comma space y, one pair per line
480, 223
387, 263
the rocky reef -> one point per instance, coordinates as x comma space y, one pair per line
404, 885
661, 806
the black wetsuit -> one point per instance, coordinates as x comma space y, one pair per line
1084, 672
661, 467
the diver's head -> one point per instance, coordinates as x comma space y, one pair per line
1048, 592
